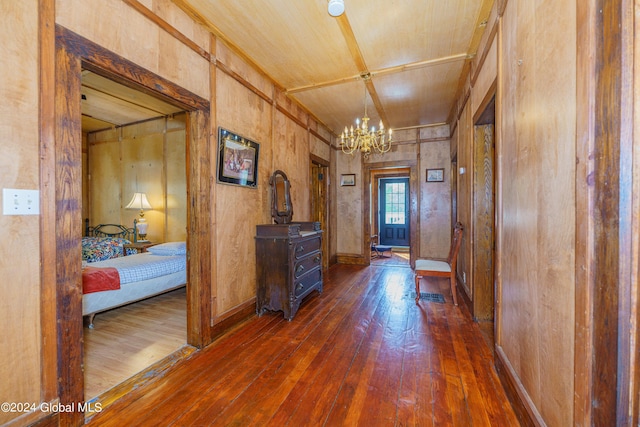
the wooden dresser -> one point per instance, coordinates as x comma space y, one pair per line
288, 265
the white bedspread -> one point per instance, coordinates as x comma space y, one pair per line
144, 266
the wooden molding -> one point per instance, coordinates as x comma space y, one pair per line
490, 31
521, 403
351, 259
73, 53
232, 318
320, 137
68, 229
164, 25
603, 219
112, 66
49, 358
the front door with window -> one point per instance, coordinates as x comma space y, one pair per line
394, 211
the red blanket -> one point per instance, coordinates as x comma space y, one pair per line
99, 279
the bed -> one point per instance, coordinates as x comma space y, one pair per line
105, 241
112, 278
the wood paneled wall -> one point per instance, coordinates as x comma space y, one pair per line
20, 371
242, 99
537, 224
147, 157
435, 197
535, 131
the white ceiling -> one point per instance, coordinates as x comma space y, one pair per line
414, 51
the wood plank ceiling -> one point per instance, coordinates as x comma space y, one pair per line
106, 103
413, 50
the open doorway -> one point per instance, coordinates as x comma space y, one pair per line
391, 220
74, 54
132, 143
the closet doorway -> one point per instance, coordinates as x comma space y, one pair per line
319, 173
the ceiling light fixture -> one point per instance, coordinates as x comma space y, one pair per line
336, 7
363, 139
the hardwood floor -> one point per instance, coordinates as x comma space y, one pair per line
128, 339
360, 353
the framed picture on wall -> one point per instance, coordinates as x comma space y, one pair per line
435, 175
348, 179
237, 159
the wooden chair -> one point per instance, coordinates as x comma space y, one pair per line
433, 268
378, 250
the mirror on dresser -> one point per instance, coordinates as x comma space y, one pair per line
281, 209
288, 255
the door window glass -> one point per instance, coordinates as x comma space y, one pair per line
395, 203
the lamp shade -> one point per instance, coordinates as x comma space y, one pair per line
139, 201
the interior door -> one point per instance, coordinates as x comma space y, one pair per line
319, 205
394, 211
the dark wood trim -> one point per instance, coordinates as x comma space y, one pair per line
199, 236
439, 139
584, 249
414, 189
114, 67
227, 321
463, 92
351, 259
489, 97
320, 137
628, 370
318, 160
483, 56
48, 420
68, 228
376, 175
49, 389
453, 126
237, 77
502, 5
291, 117
73, 53
604, 392
606, 287
171, 30
141, 379
213, 78
522, 405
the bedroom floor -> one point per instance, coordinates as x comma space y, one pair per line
128, 339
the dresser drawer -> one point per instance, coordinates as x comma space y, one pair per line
305, 247
308, 282
307, 264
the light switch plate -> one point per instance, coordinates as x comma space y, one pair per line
20, 202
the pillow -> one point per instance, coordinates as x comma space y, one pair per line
169, 249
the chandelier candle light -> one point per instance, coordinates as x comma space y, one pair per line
140, 201
363, 139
